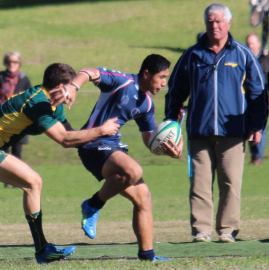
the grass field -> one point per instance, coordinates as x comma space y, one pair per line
119, 34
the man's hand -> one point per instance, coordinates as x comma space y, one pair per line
172, 150
63, 94
110, 128
254, 137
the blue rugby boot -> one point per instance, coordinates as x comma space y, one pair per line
156, 258
54, 253
89, 219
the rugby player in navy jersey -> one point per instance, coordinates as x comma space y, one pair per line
127, 97
30, 113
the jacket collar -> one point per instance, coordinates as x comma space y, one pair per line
201, 48
203, 41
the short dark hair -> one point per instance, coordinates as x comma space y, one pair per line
154, 63
56, 74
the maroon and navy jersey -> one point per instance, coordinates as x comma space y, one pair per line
120, 97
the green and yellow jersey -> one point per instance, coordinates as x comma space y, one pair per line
27, 113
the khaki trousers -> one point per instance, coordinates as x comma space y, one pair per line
225, 155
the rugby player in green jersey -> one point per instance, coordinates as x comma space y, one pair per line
31, 113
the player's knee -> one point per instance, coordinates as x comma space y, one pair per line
146, 196
35, 182
143, 200
39, 182
134, 174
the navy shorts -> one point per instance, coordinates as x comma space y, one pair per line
95, 155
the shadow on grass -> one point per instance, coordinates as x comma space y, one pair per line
16, 246
71, 244
28, 3
216, 242
178, 50
127, 244
105, 244
264, 241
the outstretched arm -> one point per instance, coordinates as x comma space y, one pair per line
74, 138
67, 93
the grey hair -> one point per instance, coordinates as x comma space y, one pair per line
13, 53
216, 8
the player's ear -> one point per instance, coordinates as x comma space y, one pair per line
145, 74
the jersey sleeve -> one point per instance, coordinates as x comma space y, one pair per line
42, 115
178, 88
147, 122
59, 113
111, 80
256, 94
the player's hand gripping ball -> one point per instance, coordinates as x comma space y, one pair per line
165, 131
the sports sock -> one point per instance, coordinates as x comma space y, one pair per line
146, 255
96, 202
35, 224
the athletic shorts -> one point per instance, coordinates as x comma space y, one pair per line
95, 155
3, 155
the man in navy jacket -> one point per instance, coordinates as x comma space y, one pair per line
227, 105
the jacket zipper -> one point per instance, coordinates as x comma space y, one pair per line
216, 131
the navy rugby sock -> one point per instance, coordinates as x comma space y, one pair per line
146, 255
96, 202
35, 224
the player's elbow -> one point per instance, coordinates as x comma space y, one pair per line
66, 144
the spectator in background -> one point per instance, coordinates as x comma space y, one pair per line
12, 81
254, 44
221, 116
259, 13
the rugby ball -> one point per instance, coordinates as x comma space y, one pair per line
165, 131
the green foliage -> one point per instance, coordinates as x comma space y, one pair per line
118, 34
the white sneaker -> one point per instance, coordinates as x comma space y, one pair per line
201, 237
226, 238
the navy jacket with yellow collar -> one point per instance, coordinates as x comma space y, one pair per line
225, 90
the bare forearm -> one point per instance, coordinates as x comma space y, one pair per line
85, 75
76, 138
67, 93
